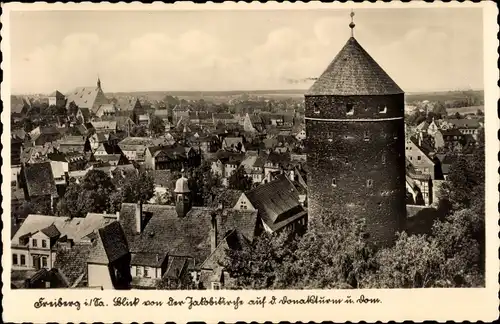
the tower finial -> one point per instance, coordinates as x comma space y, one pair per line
352, 24
98, 81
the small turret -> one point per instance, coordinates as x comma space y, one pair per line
182, 200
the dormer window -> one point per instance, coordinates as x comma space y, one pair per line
349, 109
382, 109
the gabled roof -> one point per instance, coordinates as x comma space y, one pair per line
39, 179
276, 201
110, 246
189, 236
51, 231
83, 97
353, 72
56, 94
148, 259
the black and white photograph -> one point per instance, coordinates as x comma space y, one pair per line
264, 150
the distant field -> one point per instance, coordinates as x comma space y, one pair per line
220, 95
443, 95
464, 110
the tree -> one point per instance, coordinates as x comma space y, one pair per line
203, 183
459, 185
72, 109
413, 262
440, 109
138, 187
239, 180
92, 195
138, 131
156, 125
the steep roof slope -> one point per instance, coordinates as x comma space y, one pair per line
354, 72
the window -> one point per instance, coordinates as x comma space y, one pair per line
366, 136
14, 259
316, 109
215, 285
243, 205
34, 243
44, 243
23, 260
419, 158
349, 109
44, 262
383, 159
369, 183
13, 183
382, 109
47, 284
146, 272
411, 158
334, 182
138, 271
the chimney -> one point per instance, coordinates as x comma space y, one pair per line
138, 217
213, 233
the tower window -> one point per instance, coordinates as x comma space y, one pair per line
334, 182
382, 109
369, 183
366, 136
349, 109
316, 109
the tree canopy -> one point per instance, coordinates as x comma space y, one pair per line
240, 180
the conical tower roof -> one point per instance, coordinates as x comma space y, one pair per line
353, 72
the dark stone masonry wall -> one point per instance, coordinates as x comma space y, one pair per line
358, 167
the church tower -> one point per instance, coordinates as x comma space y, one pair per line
356, 154
182, 199
98, 82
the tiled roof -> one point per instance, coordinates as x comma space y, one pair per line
73, 228
83, 97
110, 246
234, 240
275, 200
148, 259
176, 267
189, 236
73, 140
51, 231
354, 72
73, 262
39, 179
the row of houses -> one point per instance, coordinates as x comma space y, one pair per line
148, 246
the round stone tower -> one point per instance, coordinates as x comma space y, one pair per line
355, 152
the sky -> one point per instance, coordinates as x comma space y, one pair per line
421, 49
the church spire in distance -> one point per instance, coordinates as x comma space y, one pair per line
98, 82
352, 24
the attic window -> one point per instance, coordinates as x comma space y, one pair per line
419, 158
349, 109
334, 182
382, 109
